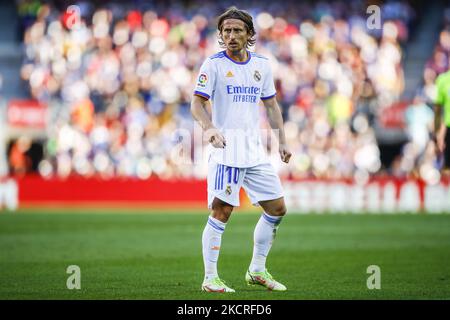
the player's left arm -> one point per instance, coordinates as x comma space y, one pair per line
276, 122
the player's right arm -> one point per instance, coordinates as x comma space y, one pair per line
200, 114
203, 91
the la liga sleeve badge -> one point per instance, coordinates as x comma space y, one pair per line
202, 80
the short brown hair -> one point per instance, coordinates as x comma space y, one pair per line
235, 13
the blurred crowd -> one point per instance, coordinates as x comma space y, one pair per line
418, 155
123, 75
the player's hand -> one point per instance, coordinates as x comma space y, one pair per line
285, 154
216, 138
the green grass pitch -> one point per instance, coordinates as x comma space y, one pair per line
158, 255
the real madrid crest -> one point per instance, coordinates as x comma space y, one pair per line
257, 75
228, 190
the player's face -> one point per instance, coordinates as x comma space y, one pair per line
234, 35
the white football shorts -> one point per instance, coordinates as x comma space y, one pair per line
261, 183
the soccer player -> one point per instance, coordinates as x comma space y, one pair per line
441, 128
234, 80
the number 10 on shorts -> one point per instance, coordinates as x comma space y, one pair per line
222, 171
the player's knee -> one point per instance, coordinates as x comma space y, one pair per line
221, 211
280, 210
221, 214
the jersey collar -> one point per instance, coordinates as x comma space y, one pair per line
243, 62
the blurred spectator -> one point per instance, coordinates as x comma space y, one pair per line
419, 119
19, 161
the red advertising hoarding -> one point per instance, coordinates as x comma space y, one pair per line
380, 195
27, 113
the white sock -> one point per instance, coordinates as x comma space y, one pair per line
211, 239
263, 238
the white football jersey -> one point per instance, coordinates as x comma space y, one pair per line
235, 89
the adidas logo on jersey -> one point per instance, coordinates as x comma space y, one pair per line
229, 74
